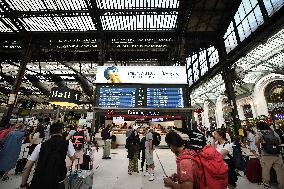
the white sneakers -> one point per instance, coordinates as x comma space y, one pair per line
146, 174
151, 176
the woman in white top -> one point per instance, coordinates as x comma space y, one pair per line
36, 137
226, 149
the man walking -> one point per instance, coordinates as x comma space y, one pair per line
50, 171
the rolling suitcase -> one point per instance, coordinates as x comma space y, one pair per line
254, 171
86, 165
21, 163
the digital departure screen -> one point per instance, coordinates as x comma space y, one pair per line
140, 96
165, 98
118, 97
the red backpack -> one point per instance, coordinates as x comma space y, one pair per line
212, 170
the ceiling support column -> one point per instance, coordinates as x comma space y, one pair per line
25, 58
230, 91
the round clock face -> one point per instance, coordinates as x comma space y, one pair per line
240, 72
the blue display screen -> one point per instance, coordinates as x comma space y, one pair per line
117, 97
165, 98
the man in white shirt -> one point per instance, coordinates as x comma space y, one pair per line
149, 149
50, 155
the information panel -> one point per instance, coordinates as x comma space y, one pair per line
118, 97
165, 98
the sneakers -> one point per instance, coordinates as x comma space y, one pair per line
146, 174
151, 178
265, 185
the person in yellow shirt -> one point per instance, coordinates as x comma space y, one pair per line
241, 134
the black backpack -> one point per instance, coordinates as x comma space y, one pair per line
238, 158
51, 166
78, 140
270, 142
156, 138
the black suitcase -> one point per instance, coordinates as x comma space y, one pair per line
86, 165
21, 163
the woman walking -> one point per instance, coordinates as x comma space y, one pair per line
36, 137
226, 149
132, 146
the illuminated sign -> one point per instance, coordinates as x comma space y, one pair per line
139, 74
165, 98
64, 96
279, 116
117, 97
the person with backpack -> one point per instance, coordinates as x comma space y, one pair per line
268, 143
11, 150
225, 148
50, 171
149, 149
106, 137
78, 139
204, 169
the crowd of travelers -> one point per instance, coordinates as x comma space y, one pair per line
208, 159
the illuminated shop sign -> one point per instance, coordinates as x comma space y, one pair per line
279, 116
139, 74
64, 96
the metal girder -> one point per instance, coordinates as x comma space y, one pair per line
82, 80
73, 35
85, 12
94, 13
57, 80
36, 83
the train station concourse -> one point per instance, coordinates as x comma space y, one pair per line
141, 94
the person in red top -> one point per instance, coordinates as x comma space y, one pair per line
186, 168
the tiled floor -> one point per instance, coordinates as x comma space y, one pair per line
112, 174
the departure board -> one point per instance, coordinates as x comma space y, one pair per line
118, 97
165, 98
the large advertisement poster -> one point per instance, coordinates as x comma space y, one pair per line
144, 75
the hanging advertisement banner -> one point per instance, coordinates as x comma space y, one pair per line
144, 75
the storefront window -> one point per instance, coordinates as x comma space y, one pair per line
274, 94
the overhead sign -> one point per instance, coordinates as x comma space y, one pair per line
139, 74
64, 96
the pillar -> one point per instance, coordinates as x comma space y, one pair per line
25, 58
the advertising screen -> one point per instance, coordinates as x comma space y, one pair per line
141, 75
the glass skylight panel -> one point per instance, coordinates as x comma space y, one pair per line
79, 23
4, 28
134, 4
273, 6
26, 5
139, 22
